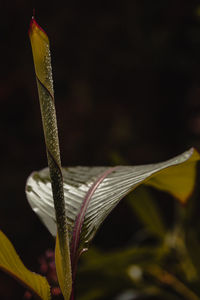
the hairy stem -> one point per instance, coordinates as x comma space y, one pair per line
42, 62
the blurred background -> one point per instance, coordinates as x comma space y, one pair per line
127, 90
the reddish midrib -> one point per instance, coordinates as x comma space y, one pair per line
80, 218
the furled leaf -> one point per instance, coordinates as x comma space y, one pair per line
42, 61
92, 192
117, 271
12, 264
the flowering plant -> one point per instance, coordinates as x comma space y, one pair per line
74, 201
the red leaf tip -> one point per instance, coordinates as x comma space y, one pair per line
33, 24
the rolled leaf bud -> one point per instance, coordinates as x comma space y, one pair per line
42, 61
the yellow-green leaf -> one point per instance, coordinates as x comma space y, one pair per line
65, 282
11, 263
143, 204
178, 180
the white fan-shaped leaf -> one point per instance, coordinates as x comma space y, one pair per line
92, 192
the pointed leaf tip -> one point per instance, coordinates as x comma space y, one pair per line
36, 28
178, 180
41, 57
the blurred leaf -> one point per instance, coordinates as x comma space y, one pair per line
145, 207
170, 280
93, 293
12, 264
193, 248
108, 271
119, 271
114, 262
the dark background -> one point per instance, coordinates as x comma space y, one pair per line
127, 89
